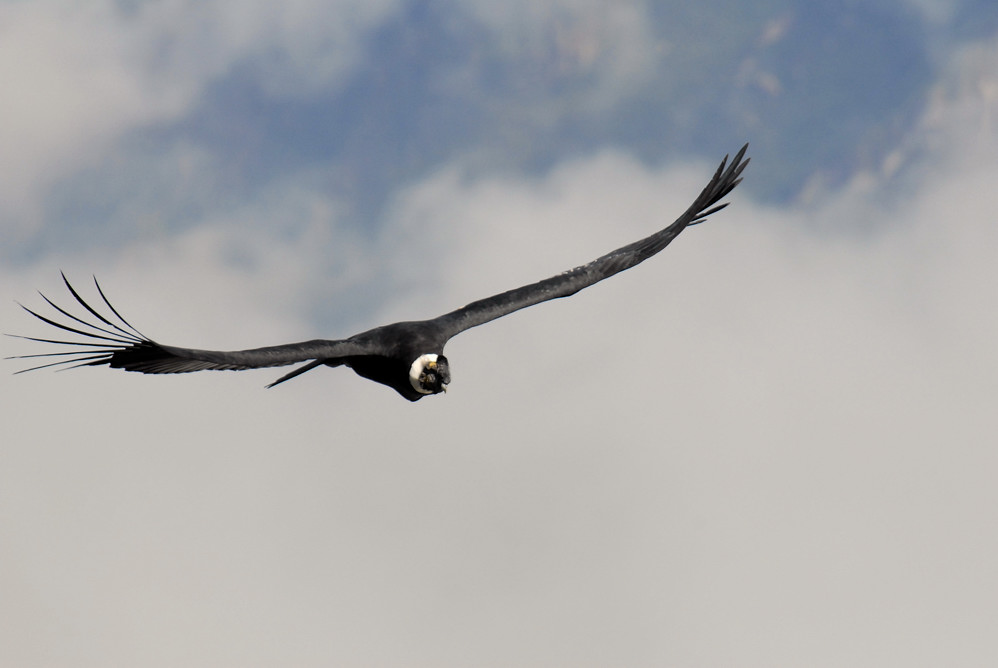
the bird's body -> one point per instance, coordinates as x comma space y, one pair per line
406, 356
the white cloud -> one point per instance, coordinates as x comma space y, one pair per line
77, 76
68, 86
764, 447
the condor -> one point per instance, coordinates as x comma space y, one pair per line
406, 356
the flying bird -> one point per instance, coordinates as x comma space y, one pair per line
406, 356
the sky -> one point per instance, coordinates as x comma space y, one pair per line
771, 445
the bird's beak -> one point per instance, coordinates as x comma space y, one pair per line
444, 388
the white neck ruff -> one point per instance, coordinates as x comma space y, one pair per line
416, 370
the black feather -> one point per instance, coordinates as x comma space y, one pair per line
384, 354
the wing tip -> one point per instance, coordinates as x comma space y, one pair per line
99, 332
727, 177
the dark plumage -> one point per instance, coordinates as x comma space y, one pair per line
406, 356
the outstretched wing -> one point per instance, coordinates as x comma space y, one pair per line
568, 283
121, 346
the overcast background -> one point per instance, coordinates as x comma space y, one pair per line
772, 445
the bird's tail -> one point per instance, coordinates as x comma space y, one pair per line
297, 372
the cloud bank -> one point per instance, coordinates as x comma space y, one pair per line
770, 445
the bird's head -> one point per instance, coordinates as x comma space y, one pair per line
430, 374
